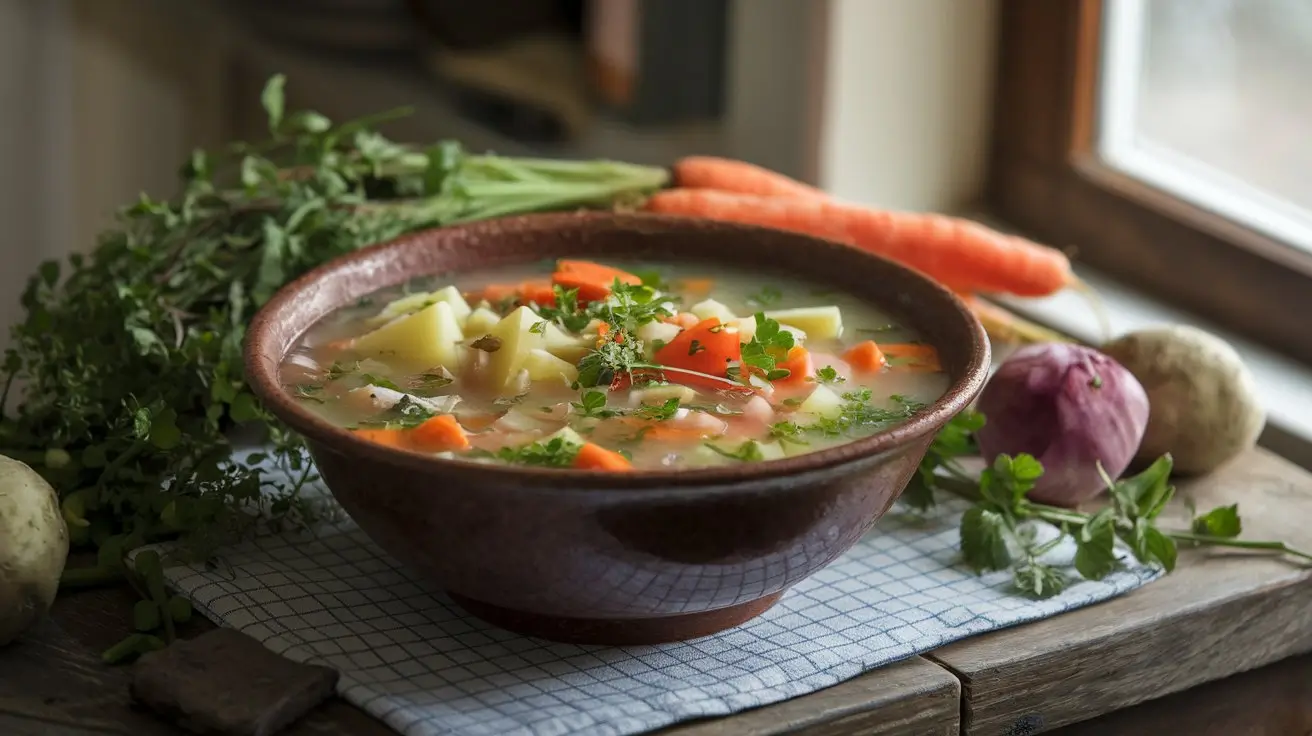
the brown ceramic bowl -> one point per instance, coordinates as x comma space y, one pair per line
617, 558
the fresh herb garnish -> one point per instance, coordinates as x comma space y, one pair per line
768, 345
856, 415
748, 451
510, 400
538, 328
431, 381
696, 347
767, 296
373, 379
653, 279
628, 308
593, 404
404, 414
566, 311
556, 452
829, 374
658, 412
955, 440
310, 392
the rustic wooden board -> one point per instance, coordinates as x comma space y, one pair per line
1217, 615
1272, 701
910, 698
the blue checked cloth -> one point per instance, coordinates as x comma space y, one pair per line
417, 661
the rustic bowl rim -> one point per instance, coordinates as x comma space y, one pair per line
262, 376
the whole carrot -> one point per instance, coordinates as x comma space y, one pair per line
732, 175
960, 254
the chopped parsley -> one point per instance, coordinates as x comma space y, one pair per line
856, 414
404, 414
770, 344
829, 374
748, 451
593, 404
658, 412
373, 379
487, 343
566, 311
538, 328
556, 452
431, 381
310, 392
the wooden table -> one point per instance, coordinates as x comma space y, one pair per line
1221, 646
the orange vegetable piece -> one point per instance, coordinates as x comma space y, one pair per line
683, 319
701, 287
439, 434
732, 175
800, 367
593, 456
960, 254
593, 280
866, 356
397, 438
537, 291
496, 292
708, 347
913, 357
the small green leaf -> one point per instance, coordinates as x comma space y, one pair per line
308, 121
141, 423
245, 408
983, 540
1145, 494
272, 98
1160, 547
1038, 581
1222, 521
1095, 547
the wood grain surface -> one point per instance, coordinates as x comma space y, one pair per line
1217, 615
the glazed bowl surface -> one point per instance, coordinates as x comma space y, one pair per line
617, 558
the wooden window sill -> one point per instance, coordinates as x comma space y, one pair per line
1285, 385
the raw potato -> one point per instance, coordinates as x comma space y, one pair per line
711, 308
543, 366
1203, 403
822, 402
422, 340
481, 321
33, 547
415, 302
818, 322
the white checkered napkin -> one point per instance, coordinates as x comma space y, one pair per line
414, 659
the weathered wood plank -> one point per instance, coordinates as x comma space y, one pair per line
1272, 701
912, 697
1217, 615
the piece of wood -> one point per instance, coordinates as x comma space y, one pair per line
911, 697
1272, 701
226, 682
1218, 614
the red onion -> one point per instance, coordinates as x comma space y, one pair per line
1070, 407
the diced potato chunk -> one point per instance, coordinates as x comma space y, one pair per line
746, 328
662, 394
822, 402
425, 339
517, 338
567, 434
771, 450
711, 308
818, 322
652, 332
563, 346
481, 321
415, 302
543, 366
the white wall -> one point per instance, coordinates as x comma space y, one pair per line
906, 104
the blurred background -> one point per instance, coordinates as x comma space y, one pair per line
879, 100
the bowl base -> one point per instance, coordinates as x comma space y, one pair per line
618, 631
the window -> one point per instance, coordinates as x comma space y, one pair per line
1169, 142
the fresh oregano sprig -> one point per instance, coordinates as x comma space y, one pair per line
997, 532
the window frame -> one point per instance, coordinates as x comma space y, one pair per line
1045, 177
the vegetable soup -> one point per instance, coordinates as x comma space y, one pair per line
617, 366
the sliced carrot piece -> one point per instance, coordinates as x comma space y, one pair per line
699, 286
914, 357
593, 456
799, 365
439, 434
866, 356
593, 280
709, 347
397, 438
495, 293
537, 291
